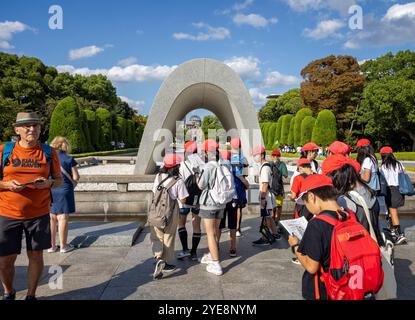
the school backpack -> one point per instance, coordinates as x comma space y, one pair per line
162, 206
192, 188
240, 191
355, 260
277, 185
8, 150
223, 189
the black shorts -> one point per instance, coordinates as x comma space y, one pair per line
232, 213
186, 211
394, 199
37, 234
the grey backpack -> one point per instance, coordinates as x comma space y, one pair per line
162, 206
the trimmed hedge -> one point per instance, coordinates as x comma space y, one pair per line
307, 127
272, 135
279, 130
104, 117
291, 134
85, 129
299, 117
325, 129
66, 121
285, 128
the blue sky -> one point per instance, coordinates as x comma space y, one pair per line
138, 43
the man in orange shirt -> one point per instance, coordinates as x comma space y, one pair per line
25, 201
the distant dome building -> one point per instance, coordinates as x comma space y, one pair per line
195, 122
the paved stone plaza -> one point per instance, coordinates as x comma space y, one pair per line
102, 271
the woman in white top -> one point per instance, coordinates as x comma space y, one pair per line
163, 239
394, 199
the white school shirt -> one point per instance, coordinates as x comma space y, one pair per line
265, 177
391, 175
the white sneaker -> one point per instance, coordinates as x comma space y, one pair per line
67, 248
214, 268
183, 254
53, 249
238, 234
206, 259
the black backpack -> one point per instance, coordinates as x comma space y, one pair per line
192, 188
277, 184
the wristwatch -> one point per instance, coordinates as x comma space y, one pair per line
294, 246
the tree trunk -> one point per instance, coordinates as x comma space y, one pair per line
412, 136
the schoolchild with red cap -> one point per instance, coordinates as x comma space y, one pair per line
189, 171
338, 147
211, 212
366, 157
163, 239
391, 168
354, 194
267, 201
320, 197
310, 152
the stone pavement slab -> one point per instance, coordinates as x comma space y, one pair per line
125, 273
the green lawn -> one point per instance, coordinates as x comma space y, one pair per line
104, 153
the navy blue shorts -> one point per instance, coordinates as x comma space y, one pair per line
266, 213
186, 211
37, 234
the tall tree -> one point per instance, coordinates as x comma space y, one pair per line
334, 83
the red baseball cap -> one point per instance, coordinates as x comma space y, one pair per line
337, 161
386, 150
190, 147
209, 145
339, 147
235, 143
276, 153
225, 155
313, 181
258, 150
310, 147
303, 161
171, 160
363, 143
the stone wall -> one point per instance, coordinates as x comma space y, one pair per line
128, 197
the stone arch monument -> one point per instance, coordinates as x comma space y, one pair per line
199, 83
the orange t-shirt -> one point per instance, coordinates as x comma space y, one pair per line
26, 165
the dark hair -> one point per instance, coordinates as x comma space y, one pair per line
171, 172
389, 161
325, 193
346, 179
366, 152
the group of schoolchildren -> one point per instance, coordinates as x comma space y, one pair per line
339, 199
214, 193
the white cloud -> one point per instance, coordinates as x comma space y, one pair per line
127, 61
254, 20
342, 6
133, 73
242, 5
396, 27
326, 28
211, 33
84, 52
398, 12
8, 29
275, 79
136, 104
246, 67
259, 98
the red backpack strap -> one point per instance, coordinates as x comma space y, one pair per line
327, 219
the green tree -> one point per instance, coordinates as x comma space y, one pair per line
94, 129
285, 128
210, 122
299, 117
121, 129
388, 109
325, 129
307, 127
288, 103
67, 122
105, 119
291, 134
